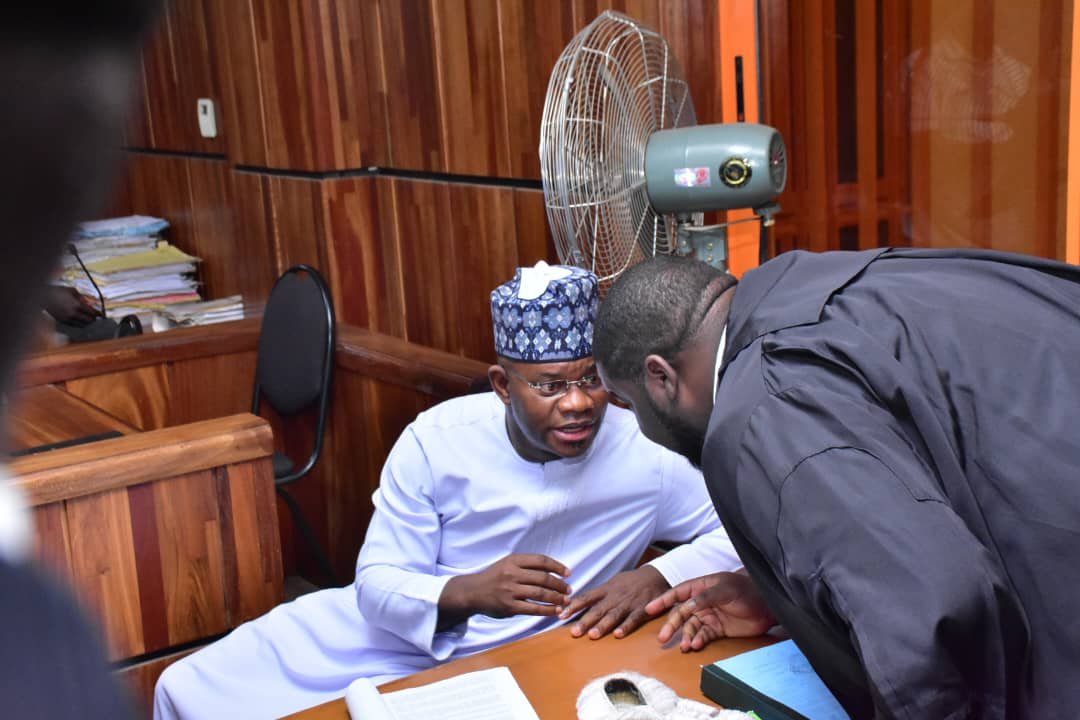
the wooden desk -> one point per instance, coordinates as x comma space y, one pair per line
553, 667
48, 414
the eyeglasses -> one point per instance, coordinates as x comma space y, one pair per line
558, 388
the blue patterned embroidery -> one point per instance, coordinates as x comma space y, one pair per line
557, 326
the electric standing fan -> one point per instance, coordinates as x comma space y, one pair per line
626, 170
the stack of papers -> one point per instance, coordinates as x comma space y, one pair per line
186, 314
481, 695
137, 272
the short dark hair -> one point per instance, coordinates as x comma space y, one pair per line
655, 307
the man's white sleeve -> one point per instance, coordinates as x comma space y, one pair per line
686, 513
397, 588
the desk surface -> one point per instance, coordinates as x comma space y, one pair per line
553, 667
47, 414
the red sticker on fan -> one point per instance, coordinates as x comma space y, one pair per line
693, 177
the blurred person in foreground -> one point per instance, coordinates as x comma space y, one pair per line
66, 79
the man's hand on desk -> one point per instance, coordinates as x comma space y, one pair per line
518, 584
618, 604
67, 306
707, 608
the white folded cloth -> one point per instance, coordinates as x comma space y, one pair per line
629, 695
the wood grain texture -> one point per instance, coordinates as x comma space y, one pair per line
103, 564
396, 361
320, 84
299, 231
107, 465
531, 229
146, 541
365, 274
554, 694
169, 538
191, 560
138, 397
428, 260
213, 235
408, 62
692, 29
53, 539
867, 122
254, 267
72, 362
472, 111
234, 46
178, 67
353, 130
47, 414
210, 387
251, 537
533, 34
482, 220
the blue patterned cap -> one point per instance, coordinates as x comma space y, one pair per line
545, 314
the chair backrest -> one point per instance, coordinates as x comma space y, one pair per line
296, 343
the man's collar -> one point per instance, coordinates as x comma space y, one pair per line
719, 361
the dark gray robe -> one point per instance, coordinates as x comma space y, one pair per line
895, 450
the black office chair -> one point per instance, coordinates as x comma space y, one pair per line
295, 366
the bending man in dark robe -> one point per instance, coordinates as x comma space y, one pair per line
890, 438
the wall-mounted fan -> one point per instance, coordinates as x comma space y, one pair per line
626, 170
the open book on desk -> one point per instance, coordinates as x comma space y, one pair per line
482, 695
775, 682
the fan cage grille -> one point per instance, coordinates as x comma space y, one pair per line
612, 87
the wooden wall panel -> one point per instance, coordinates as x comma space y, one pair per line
692, 28
213, 235
178, 67
254, 267
472, 107
210, 387
531, 228
299, 232
913, 121
139, 397
408, 56
241, 120
428, 263
482, 221
533, 33
320, 84
364, 270
159, 186
287, 109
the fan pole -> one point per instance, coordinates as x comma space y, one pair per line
741, 102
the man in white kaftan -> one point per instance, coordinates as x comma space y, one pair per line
462, 492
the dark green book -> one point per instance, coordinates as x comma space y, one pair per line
774, 682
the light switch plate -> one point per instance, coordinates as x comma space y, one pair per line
204, 107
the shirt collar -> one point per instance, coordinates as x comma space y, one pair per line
719, 361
